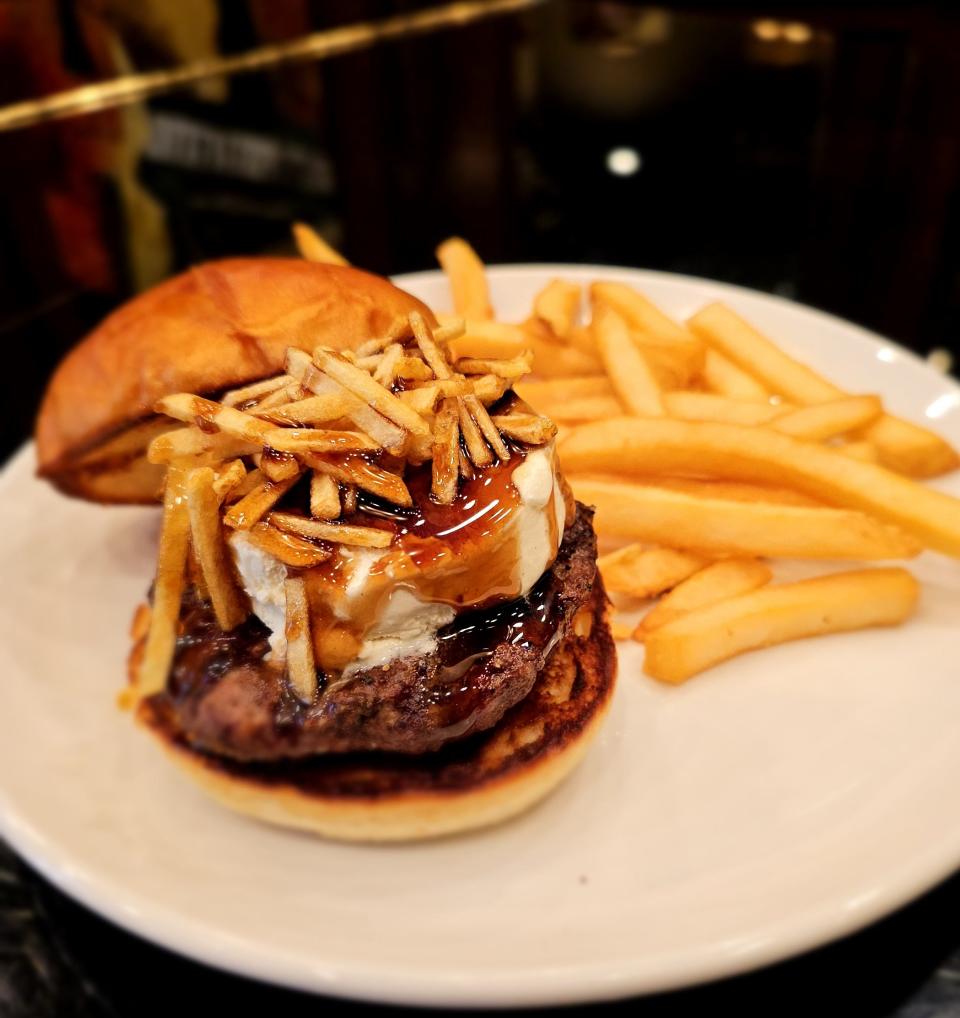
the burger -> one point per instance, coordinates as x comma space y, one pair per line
376, 613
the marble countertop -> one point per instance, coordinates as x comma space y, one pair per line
58, 959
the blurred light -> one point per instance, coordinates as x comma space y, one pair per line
942, 405
766, 29
940, 360
887, 354
623, 161
797, 32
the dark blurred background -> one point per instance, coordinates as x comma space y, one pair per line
808, 150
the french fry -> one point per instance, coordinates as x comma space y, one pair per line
250, 509
516, 367
385, 370
314, 248
790, 611
381, 430
620, 630
529, 428
451, 327
557, 305
706, 406
446, 453
288, 548
735, 491
253, 479
229, 477
168, 588
863, 450
644, 572
722, 376
424, 398
489, 430
312, 410
828, 420
627, 369
639, 312
487, 388
717, 527
484, 339
643, 447
375, 395
324, 497
191, 442
557, 390
338, 533
432, 352
902, 445
350, 499
277, 466
279, 397
301, 670
586, 408
255, 391
552, 359
580, 337
228, 602
467, 278
477, 449
184, 406
297, 440
716, 582
414, 368
356, 471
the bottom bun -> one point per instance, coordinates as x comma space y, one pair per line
474, 783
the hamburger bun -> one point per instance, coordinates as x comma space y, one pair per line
389, 797
214, 327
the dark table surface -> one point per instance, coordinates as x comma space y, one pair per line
59, 959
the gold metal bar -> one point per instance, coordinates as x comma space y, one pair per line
316, 46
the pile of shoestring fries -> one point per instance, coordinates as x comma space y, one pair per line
341, 422
712, 451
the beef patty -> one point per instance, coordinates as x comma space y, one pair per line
224, 698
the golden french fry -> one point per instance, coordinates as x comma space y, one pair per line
385, 364
865, 451
301, 670
467, 277
485, 339
324, 497
477, 449
638, 447
643, 572
384, 432
356, 471
586, 408
790, 611
722, 376
229, 477
557, 306
627, 369
516, 367
288, 548
620, 630
255, 391
735, 491
279, 397
312, 410
902, 445
424, 398
487, 388
277, 466
553, 359
828, 420
250, 509
314, 248
338, 533
228, 601
446, 453
639, 312
707, 406
350, 499
527, 428
478, 412
558, 390
717, 527
191, 442
450, 327
296, 440
253, 479
715, 582
580, 337
432, 352
184, 406
373, 393
168, 587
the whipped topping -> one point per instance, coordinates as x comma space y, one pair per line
405, 624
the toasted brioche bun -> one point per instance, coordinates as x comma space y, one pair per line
214, 327
481, 781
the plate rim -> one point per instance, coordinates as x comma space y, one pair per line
538, 985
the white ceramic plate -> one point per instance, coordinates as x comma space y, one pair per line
784, 799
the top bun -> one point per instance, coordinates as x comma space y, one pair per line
216, 326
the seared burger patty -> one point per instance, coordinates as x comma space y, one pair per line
225, 699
